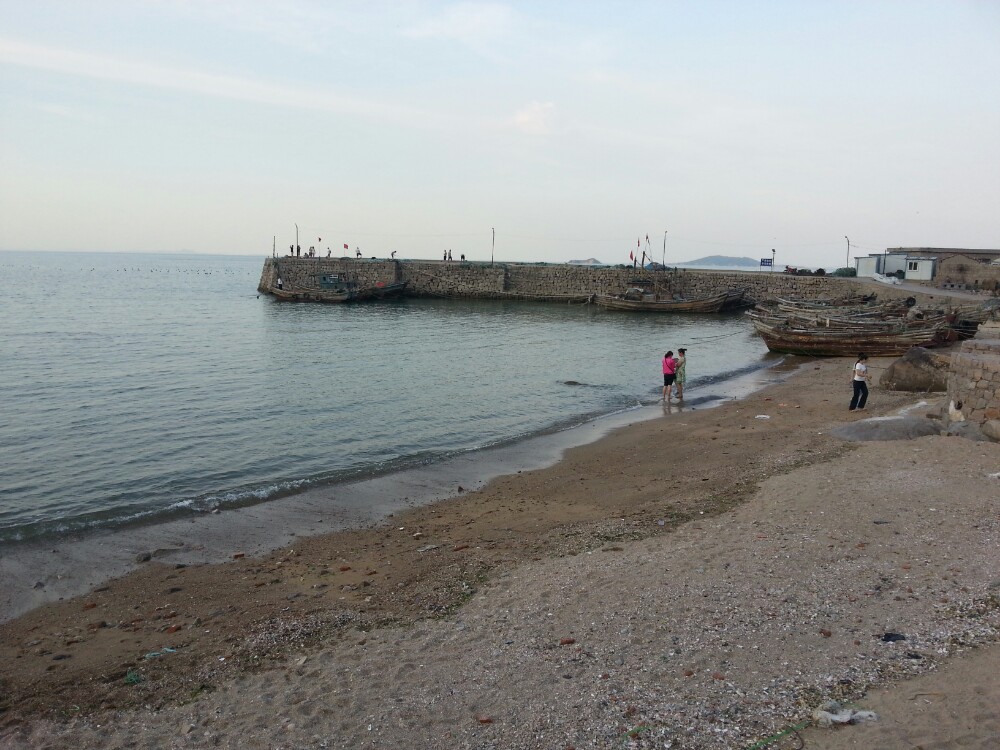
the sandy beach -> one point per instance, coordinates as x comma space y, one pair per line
704, 579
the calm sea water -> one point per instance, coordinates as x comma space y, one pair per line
135, 387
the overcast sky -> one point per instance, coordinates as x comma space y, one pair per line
574, 129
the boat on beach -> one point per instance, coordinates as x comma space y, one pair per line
889, 329
639, 300
885, 339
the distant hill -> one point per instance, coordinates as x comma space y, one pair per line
587, 262
721, 260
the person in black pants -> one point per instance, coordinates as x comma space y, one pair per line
860, 383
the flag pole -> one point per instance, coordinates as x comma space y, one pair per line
493, 247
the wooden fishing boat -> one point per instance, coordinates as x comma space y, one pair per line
649, 302
737, 299
381, 290
310, 295
339, 295
782, 337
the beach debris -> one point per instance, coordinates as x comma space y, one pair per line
144, 557
762, 416
459, 547
39, 585
484, 719
567, 641
161, 652
892, 637
427, 547
132, 677
831, 713
239, 555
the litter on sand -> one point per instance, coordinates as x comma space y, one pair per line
832, 713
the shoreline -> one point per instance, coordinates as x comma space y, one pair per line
703, 578
37, 572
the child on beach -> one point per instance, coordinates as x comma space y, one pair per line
669, 374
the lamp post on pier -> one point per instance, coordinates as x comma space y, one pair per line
848, 252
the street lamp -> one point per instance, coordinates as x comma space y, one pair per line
663, 260
848, 252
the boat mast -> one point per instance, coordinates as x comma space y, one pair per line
663, 259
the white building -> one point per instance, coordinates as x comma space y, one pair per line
913, 267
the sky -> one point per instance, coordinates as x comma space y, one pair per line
530, 131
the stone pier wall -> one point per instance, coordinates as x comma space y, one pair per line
555, 281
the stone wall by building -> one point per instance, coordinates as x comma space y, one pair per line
974, 273
552, 281
974, 380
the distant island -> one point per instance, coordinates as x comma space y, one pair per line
721, 260
709, 261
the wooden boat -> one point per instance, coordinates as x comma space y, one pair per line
737, 299
310, 295
340, 295
381, 290
647, 302
782, 337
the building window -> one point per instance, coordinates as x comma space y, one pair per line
911, 265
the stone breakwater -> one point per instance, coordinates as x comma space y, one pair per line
547, 281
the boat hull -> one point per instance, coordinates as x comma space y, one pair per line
699, 305
339, 296
838, 343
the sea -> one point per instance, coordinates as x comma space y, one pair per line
138, 388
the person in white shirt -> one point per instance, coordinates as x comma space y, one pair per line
860, 383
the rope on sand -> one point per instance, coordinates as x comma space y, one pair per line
784, 732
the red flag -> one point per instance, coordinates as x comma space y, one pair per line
631, 255
345, 246
638, 243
